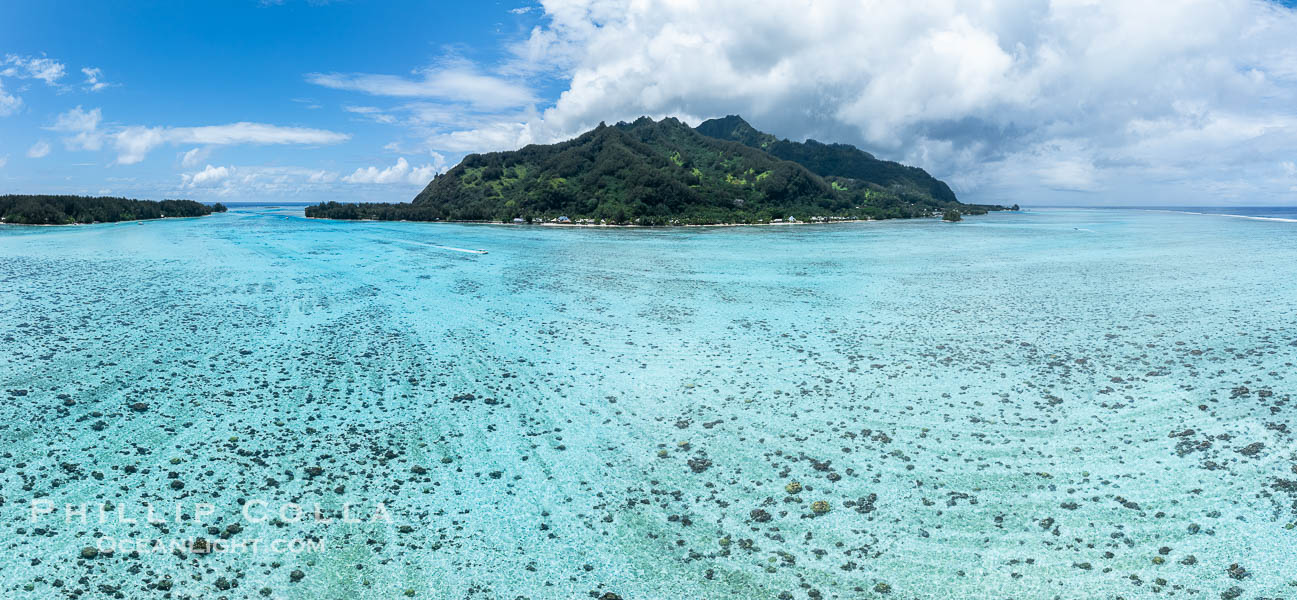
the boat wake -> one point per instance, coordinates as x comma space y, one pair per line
438, 246
460, 249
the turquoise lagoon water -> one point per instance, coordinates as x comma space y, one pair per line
1052, 404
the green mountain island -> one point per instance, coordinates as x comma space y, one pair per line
667, 173
70, 210
838, 161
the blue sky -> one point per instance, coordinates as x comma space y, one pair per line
193, 64
1063, 102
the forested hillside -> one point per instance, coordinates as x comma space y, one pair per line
66, 210
837, 160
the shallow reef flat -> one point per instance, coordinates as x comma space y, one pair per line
1051, 404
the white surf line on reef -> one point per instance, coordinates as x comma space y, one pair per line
1250, 217
438, 246
1207, 214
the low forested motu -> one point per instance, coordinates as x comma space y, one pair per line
667, 173
67, 210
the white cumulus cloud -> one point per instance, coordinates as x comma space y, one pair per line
194, 156
9, 103
32, 67
83, 126
258, 181
94, 79
401, 172
456, 81
997, 97
78, 119
40, 149
208, 176
135, 142
371, 112
26, 67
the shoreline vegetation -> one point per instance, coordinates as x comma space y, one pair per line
40, 209
665, 173
326, 212
590, 223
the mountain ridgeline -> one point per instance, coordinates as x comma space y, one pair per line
667, 173
834, 160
